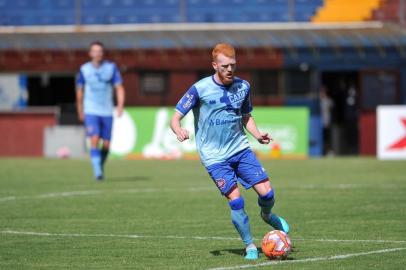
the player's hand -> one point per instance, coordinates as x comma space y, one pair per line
182, 134
119, 112
264, 138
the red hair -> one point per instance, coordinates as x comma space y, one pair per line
223, 48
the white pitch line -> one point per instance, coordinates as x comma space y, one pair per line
353, 240
117, 235
96, 192
67, 194
9, 198
52, 195
9, 231
314, 259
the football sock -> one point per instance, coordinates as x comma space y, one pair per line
251, 246
104, 153
240, 220
266, 203
95, 157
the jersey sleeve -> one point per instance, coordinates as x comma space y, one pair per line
189, 100
246, 107
80, 79
116, 79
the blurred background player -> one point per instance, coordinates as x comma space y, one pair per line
94, 96
222, 108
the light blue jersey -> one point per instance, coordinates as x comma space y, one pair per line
218, 112
98, 85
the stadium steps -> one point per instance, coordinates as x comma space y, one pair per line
346, 11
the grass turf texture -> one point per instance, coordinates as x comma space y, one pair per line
347, 198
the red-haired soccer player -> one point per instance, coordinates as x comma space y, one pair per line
222, 108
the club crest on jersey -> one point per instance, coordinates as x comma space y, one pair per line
220, 183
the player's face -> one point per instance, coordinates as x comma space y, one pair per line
225, 68
96, 53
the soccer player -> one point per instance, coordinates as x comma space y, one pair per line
222, 107
94, 96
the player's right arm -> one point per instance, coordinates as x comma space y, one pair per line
181, 133
80, 82
79, 103
189, 100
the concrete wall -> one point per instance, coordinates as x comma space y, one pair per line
22, 132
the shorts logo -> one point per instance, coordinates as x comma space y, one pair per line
221, 183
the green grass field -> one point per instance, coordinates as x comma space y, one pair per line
344, 214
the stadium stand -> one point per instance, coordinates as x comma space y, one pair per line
91, 12
65, 12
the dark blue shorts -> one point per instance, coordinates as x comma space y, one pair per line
243, 168
100, 126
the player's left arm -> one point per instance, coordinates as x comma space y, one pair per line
120, 91
251, 126
249, 122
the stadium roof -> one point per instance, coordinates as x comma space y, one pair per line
175, 36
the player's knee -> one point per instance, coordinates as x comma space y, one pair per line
94, 141
267, 200
237, 204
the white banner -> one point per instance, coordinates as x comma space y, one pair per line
391, 131
13, 91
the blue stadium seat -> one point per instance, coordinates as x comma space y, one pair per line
30, 12
62, 4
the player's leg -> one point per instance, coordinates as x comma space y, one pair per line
266, 201
92, 125
105, 134
225, 179
105, 149
252, 174
241, 222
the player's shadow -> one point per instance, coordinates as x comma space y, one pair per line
241, 252
234, 251
129, 178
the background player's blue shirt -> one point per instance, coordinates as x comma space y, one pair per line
98, 83
218, 112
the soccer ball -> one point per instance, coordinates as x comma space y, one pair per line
276, 245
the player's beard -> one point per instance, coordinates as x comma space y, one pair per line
226, 78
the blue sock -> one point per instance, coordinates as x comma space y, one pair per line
104, 153
240, 220
95, 157
266, 203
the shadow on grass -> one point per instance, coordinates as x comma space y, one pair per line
241, 252
234, 251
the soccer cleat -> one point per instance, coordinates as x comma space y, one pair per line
277, 222
252, 254
99, 178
